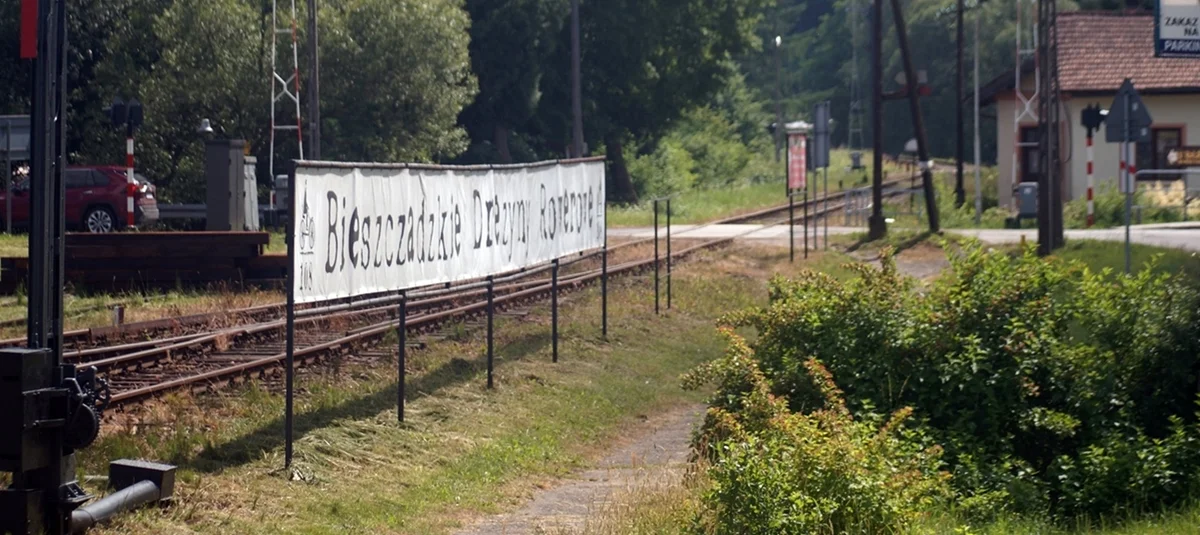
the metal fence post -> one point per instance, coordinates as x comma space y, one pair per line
8, 176
791, 227
402, 331
290, 349
554, 310
604, 292
806, 221
825, 211
656, 256
668, 253
491, 306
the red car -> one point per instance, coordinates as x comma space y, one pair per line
96, 200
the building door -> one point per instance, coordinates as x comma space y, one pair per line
1029, 155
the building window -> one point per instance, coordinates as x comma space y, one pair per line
1153, 155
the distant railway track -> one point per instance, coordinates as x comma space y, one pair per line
205, 351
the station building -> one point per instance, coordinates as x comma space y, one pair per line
1097, 51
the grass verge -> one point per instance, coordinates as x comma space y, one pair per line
1111, 255
464, 451
703, 205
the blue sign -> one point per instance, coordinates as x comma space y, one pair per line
1177, 29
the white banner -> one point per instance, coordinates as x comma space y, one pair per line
367, 229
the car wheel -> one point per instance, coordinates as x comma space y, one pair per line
100, 220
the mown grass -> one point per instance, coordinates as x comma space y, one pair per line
464, 451
1181, 522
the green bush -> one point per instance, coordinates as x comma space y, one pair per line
778, 472
669, 169
1050, 386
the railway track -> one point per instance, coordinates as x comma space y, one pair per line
97, 340
207, 351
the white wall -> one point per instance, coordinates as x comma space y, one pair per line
1167, 110
1182, 111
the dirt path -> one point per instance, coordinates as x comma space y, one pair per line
923, 261
654, 456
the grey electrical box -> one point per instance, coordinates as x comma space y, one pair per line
224, 171
1027, 200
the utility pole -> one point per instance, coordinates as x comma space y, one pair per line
978, 179
314, 86
876, 226
576, 85
914, 106
1050, 207
960, 193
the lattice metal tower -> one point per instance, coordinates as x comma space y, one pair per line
282, 86
1026, 104
855, 12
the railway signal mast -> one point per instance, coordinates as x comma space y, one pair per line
50, 409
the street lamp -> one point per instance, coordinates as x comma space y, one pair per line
205, 127
778, 95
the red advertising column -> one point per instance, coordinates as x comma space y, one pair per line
797, 160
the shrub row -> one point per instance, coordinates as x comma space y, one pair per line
1052, 388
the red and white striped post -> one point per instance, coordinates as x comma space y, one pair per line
1091, 203
130, 185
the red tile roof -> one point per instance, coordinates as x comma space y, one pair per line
1098, 50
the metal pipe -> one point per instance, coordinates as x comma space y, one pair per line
806, 221
604, 292
825, 211
656, 256
791, 227
402, 331
668, 253
491, 313
126, 499
290, 364
779, 129
554, 311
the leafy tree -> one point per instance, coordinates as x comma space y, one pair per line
207, 59
510, 43
395, 75
645, 62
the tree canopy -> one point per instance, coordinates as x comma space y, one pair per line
477, 81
